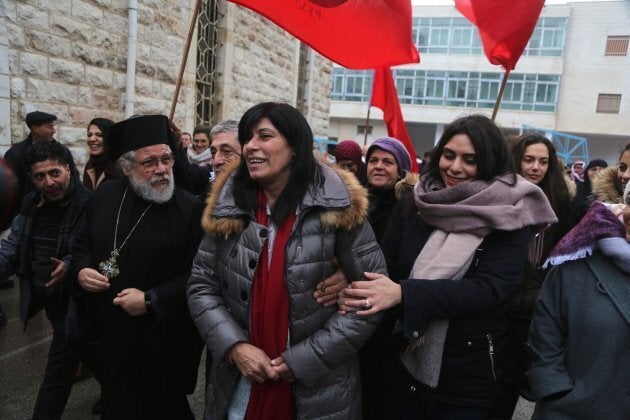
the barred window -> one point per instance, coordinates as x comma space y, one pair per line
361, 129
608, 103
617, 45
207, 52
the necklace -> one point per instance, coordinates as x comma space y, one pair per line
109, 267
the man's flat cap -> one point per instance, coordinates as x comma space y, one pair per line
39, 117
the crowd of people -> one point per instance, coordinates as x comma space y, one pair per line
346, 290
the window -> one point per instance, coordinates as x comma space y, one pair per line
361, 129
458, 36
617, 45
608, 103
523, 91
547, 38
208, 45
351, 85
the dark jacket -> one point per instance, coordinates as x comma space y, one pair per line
382, 205
580, 336
149, 356
521, 302
472, 363
188, 176
324, 343
109, 172
17, 250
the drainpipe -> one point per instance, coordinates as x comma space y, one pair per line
130, 89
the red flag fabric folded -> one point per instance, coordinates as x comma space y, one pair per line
505, 26
385, 97
357, 34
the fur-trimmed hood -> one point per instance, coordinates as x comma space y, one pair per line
605, 186
406, 184
338, 192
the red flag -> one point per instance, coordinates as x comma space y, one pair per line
357, 34
385, 97
505, 26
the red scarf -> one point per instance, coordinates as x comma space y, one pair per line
269, 328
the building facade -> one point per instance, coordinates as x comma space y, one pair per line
75, 58
571, 80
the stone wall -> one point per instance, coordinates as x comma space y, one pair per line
69, 57
319, 95
259, 62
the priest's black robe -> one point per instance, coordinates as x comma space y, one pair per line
150, 361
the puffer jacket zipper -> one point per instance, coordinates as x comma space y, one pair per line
491, 355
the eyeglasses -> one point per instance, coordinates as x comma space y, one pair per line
227, 152
152, 164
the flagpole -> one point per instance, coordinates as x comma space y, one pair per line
367, 125
182, 65
500, 96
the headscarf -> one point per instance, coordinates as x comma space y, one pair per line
574, 175
598, 223
396, 148
349, 149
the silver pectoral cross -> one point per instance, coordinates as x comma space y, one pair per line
109, 268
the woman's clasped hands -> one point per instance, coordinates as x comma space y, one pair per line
255, 365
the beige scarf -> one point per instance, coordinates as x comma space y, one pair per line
463, 215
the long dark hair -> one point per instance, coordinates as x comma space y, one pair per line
625, 149
553, 183
295, 129
103, 124
492, 153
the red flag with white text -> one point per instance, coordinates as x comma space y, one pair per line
385, 97
357, 34
505, 26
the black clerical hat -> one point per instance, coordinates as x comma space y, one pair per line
137, 132
39, 117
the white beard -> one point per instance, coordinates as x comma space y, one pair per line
148, 192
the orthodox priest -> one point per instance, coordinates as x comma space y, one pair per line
132, 261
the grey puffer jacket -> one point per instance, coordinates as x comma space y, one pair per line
323, 343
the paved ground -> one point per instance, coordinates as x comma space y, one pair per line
22, 362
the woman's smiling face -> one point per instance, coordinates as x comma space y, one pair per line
268, 155
623, 171
95, 140
458, 162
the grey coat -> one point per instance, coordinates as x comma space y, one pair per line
580, 336
323, 344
